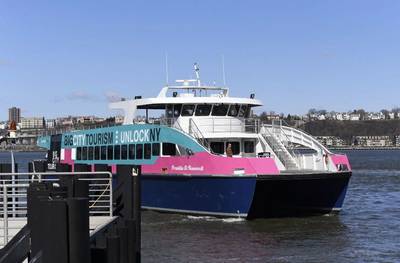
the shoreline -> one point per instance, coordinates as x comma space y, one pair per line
23, 149
365, 148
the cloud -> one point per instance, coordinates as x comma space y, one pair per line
83, 96
80, 96
112, 96
77, 95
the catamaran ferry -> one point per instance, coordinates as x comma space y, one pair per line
206, 155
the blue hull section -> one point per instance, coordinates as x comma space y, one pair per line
221, 196
250, 197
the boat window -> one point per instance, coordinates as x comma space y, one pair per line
233, 110
188, 110
117, 152
132, 151
147, 151
79, 153
139, 151
220, 110
124, 152
203, 110
217, 147
235, 147
248, 146
168, 149
97, 152
244, 111
169, 111
84, 153
156, 149
110, 152
90, 153
103, 150
177, 110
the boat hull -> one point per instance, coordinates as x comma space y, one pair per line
203, 195
252, 197
299, 194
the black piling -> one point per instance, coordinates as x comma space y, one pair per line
113, 249
102, 168
7, 167
78, 230
39, 166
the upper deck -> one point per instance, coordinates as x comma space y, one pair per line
189, 98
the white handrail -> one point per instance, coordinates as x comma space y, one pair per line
14, 196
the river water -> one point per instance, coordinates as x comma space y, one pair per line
367, 229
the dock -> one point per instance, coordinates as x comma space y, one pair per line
42, 212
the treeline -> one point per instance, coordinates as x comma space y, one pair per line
347, 129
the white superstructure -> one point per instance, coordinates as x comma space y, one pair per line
216, 120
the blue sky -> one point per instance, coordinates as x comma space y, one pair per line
66, 57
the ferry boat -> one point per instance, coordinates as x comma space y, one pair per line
206, 155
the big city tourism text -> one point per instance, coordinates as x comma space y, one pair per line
112, 137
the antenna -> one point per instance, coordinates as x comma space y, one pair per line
196, 70
166, 68
223, 70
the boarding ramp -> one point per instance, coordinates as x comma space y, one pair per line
13, 198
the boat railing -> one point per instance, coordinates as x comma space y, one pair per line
197, 134
13, 197
228, 125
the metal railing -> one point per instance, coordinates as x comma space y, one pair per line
228, 125
13, 197
197, 134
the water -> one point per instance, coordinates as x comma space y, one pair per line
367, 230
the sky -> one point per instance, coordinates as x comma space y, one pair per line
60, 58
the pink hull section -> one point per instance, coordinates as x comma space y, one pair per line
204, 163
340, 159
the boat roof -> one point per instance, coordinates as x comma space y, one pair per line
189, 91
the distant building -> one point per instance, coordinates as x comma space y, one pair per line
397, 140
66, 121
89, 119
373, 141
33, 123
119, 119
331, 141
355, 117
50, 123
14, 114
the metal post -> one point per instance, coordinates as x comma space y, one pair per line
13, 199
111, 195
5, 210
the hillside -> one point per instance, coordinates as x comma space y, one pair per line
347, 129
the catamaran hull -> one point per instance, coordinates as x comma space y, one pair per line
251, 197
299, 194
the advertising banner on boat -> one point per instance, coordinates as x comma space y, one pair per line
129, 134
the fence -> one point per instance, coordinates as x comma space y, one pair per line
13, 197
